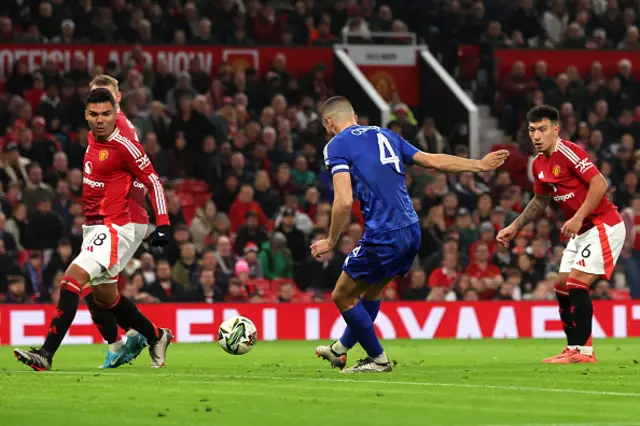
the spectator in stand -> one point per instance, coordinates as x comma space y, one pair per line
60, 261
34, 272
243, 204
631, 250
202, 224
447, 275
417, 289
225, 256
251, 257
148, 269
296, 240
164, 287
237, 292
36, 190
275, 257
10, 243
185, 268
16, 291
286, 293
45, 227
486, 277
251, 232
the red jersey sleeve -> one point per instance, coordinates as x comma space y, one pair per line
578, 161
538, 186
140, 166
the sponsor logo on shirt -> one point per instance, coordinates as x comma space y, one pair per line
564, 197
92, 183
138, 185
88, 167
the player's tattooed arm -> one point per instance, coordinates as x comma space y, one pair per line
533, 211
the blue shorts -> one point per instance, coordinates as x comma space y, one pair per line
392, 253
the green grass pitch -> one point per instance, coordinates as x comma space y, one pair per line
439, 382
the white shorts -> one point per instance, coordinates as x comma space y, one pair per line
596, 251
140, 232
104, 251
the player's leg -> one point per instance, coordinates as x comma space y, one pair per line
136, 342
564, 302
336, 353
41, 359
598, 250
346, 296
125, 311
107, 325
120, 352
564, 309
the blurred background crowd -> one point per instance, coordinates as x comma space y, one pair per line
241, 151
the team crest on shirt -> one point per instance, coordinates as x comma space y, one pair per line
88, 167
556, 171
103, 155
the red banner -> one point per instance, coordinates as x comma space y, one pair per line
558, 60
404, 80
299, 59
27, 325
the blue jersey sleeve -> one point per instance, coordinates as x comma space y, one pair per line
407, 151
336, 156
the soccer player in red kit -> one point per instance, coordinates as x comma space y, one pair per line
562, 171
111, 165
120, 352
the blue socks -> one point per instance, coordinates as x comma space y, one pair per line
348, 339
361, 326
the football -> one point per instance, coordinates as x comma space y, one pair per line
237, 335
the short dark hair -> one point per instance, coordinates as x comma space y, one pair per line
100, 95
64, 242
541, 112
333, 103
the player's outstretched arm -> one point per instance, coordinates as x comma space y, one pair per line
451, 163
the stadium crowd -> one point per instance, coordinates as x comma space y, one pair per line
241, 152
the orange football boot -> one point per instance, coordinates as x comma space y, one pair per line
562, 354
575, 357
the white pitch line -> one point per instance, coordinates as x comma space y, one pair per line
330, 380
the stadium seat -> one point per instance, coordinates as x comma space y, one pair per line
262, 285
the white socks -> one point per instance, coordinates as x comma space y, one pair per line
339, 348
117, 346
585, 350
381, 359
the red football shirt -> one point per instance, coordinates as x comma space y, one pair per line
491, 271
443, 277
565, 175
110, 168
136, 195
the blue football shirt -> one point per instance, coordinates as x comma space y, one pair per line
375, 157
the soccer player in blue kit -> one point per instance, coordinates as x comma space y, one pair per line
368, 162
